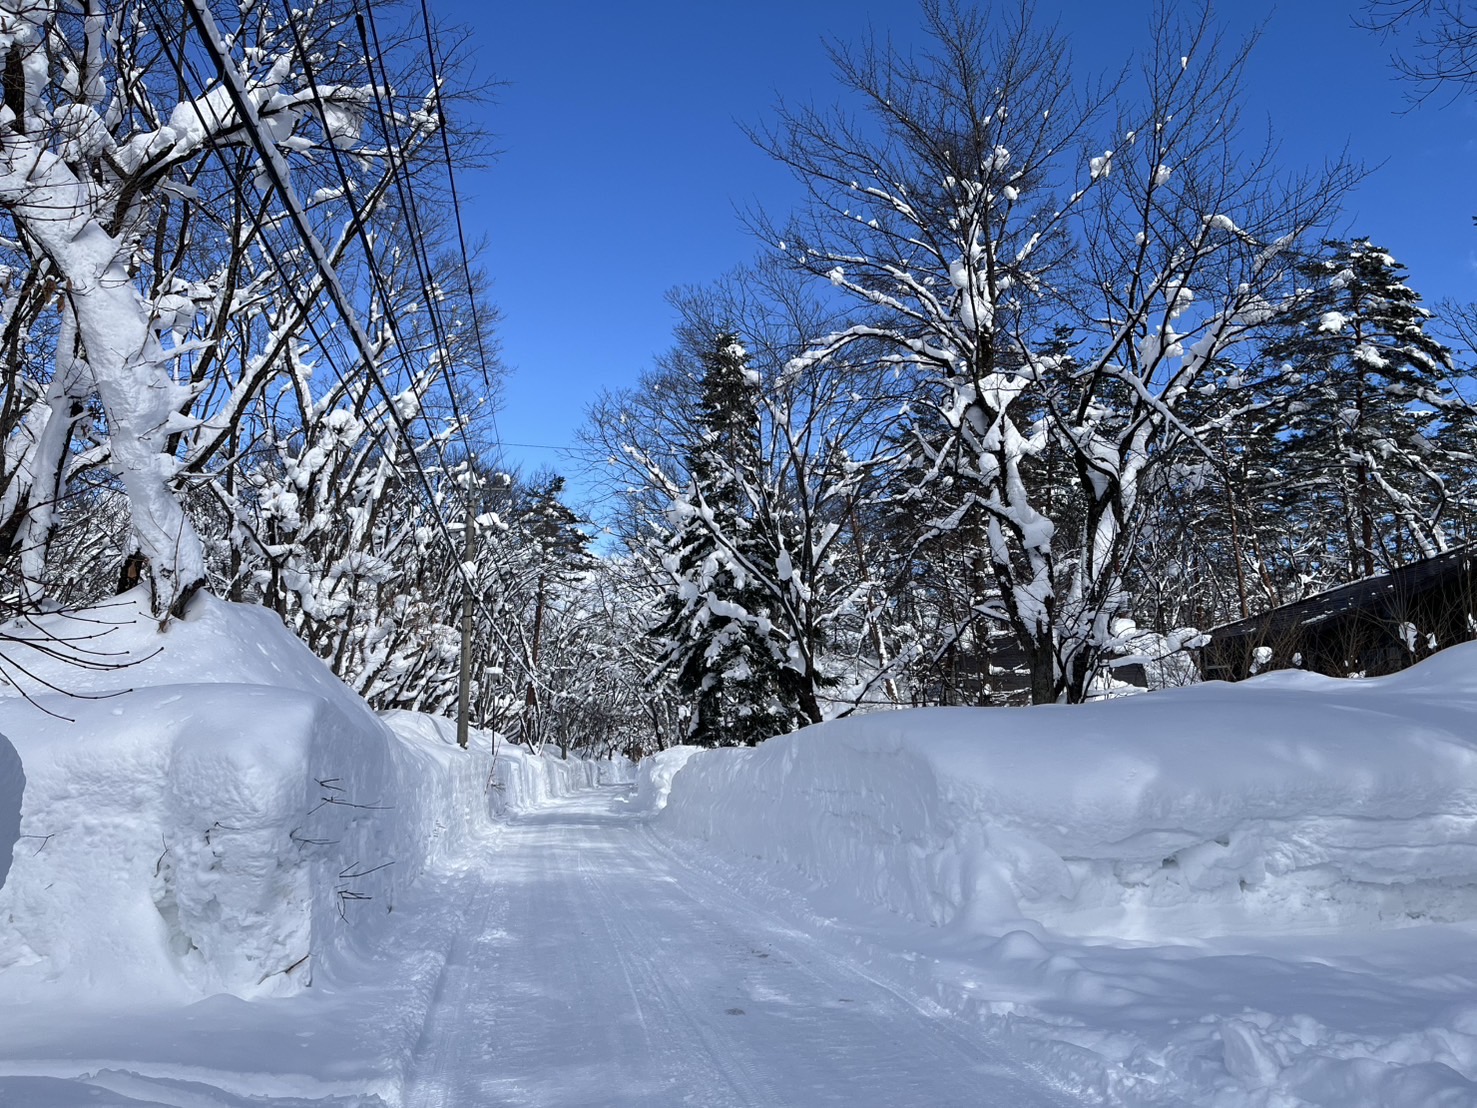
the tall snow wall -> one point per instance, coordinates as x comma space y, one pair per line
228, 817
12, 785
1287, 801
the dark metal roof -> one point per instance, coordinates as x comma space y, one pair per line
1357, 596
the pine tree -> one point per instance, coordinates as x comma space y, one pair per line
720, 652
557, 548
1366, 396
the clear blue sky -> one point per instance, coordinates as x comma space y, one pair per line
624, 162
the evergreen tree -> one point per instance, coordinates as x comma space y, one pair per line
720, 652
556, 550
1367, 397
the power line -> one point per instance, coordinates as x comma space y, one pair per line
271, 161
395, 149
275, 171
413, 209
456, 206
389, 125
327, 276
306, 310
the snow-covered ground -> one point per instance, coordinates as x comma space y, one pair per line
211, 818
1260, 894
235, 885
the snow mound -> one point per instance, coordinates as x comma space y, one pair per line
12, 785
654, 777
1232, 895
1289, 801
213, 819
180, 844
518, 779
223, 815
119, 646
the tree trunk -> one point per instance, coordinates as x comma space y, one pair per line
1042, 661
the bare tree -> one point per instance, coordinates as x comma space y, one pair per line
1436, 41
969, 220
156, 286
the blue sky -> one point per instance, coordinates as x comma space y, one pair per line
624, 161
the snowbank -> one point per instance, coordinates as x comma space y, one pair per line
519, 780
1250, 895
12, 784
654, 777
1289, 801
225, 815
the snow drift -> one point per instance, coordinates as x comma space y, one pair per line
226, 815
1230, 895
1289, 801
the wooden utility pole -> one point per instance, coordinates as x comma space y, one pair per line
464, 682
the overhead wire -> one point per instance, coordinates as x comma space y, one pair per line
432, 55
180, 63
269, 156
288, 280
438, 88
272, 166
395, 148
399, 172
415, 236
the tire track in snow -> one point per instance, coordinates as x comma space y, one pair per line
962, 1042
678, 1000
598, 969
439, 1062
947, 1044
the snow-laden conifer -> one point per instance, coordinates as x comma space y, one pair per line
720, 650
1368, 404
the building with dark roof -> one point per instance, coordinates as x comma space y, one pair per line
1371, 627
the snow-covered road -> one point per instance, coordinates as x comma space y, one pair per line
602, 970
575, 961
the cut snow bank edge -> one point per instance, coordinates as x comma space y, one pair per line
12, 786
654, 777
230, 816
1287, 801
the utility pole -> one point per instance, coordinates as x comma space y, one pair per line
464, 683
